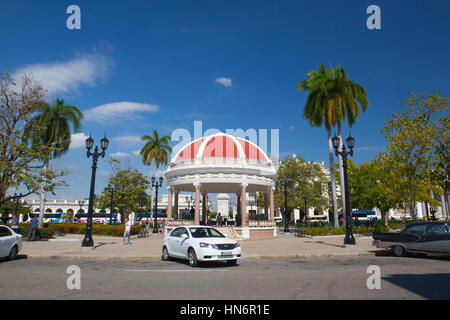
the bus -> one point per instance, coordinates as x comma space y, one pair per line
362, 215
160, 216
48, 217
97, 217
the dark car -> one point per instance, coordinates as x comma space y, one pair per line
423, 237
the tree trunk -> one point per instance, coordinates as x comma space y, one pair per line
341, 173
42, 196
333, 183
384, 216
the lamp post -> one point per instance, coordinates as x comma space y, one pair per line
156, 185
17, 196
88, 242
349, 238
111, 190
305, 198
141, 200
189, 200
284, 182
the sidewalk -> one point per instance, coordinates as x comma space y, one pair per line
285, 246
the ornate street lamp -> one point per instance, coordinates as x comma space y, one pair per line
285, 182
156, 185
17, 196
349, 238
141, 200
111, 190
305, 198
88, 241
189, 200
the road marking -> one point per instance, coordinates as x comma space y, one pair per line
149, 270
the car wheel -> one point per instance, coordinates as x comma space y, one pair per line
399, 251
231, 262
13, 253
192, 258
165, 254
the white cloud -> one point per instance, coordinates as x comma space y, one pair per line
291, 128
226, 82
78, 140
116, 111
128, 139
136, 152
67, 76
120, 154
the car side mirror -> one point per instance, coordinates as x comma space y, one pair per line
184, 236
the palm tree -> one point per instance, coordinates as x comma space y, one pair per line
53, 123
348, 96
318, 111
332, 98
156, 149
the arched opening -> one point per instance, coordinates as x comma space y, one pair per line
59, 210
48, 210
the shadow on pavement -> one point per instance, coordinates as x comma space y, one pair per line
429, 286
18, 257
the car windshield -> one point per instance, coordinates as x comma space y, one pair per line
205, 233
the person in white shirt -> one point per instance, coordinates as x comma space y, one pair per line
126, 234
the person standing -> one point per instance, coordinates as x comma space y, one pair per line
34, 222
126, 234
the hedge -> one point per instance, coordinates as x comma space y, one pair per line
80, 228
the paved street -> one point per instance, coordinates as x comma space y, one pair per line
290, 279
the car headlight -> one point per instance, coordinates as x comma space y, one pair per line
237, 245
208, 245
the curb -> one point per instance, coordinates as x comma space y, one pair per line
158, 258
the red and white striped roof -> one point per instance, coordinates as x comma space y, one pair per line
221, 145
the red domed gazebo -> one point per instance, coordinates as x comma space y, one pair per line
222, 163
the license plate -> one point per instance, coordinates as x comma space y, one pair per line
226, 254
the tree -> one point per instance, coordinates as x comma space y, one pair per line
332, 98
54, 130
370, 187
304, 178
19, 157
157, 150
130, 184
417, 151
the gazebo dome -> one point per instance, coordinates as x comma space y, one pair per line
221, 163
221, 146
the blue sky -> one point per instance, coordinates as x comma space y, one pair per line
136, 66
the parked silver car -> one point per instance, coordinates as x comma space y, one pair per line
10, 243
423, 237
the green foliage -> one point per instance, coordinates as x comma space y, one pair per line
20, 158
212, 214
359, 228
417, 152
130, 190
156, 149
80, 228
303, 179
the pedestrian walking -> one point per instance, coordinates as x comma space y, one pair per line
126, 234
147, 226
15, 224
219, 220
34, 222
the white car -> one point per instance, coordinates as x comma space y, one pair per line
10, 243
200, 243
